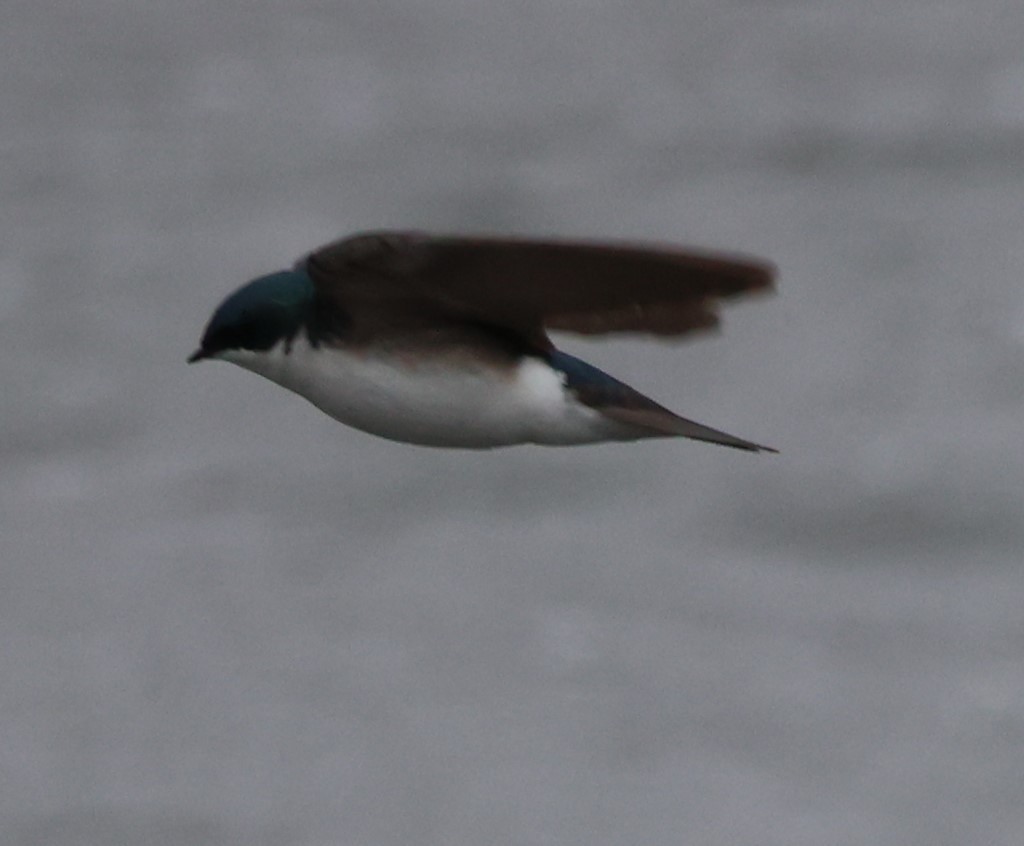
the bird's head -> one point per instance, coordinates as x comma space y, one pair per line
258, 315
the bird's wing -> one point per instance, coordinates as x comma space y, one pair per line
530, 286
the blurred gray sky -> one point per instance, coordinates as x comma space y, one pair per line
228, 620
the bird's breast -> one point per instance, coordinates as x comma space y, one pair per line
446, 398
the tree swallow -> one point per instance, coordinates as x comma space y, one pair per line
442, 340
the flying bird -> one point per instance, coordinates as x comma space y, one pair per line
443, 340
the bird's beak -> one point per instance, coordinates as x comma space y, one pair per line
198, 355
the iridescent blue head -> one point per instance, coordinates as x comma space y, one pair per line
259, 315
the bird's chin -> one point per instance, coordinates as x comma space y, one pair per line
264, 363
204, 355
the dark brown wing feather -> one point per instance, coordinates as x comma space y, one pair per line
532, 285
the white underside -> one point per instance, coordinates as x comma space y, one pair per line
444, 402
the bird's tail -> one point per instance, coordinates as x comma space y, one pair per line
618, 401
661, 422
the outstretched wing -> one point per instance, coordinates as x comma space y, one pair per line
529, 286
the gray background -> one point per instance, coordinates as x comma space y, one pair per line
225, 619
